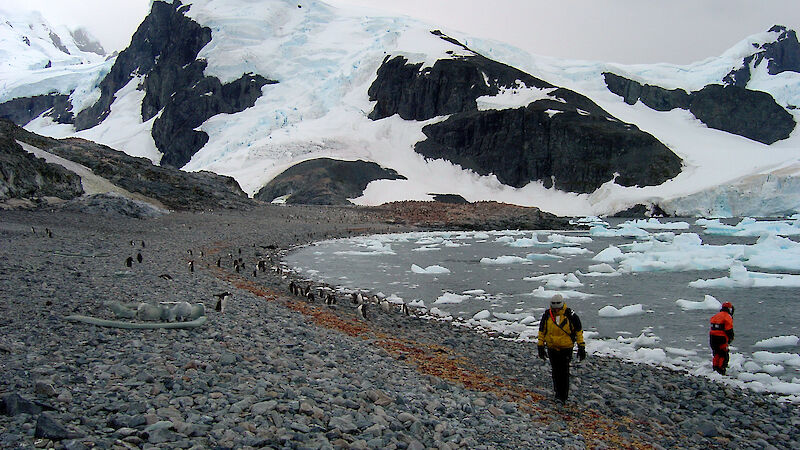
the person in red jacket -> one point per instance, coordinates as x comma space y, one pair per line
720, 336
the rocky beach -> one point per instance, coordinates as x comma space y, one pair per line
277, 370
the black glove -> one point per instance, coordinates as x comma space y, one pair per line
581, 352
542, 353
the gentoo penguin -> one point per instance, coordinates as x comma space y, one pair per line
386, 306
132, 244
222, 301
139, 257
165, 276
404, 309
310, 296
49, 233
189, 252
191, 265
292, 287
219, 262
33, 230
129, 261
362, 310
330, 299
142, 244
254, 273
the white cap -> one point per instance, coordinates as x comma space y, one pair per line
557, 301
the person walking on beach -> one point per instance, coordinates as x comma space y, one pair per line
559, 330
720, 336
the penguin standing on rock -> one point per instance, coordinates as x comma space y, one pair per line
222, 301
404, 310
191, 265
139, 257
129, 261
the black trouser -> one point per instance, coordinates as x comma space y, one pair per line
559, 361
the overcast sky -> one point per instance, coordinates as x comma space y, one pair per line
625, 31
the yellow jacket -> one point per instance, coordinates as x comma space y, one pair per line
561, 329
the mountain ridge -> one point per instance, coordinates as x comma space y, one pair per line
310, 104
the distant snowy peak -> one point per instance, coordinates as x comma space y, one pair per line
28, 42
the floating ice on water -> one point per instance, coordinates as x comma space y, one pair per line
569, 240
474, 292
655, 224
630, 310
623, 231
789, 359
686, 252
591, 220
610, 255
773, 253
772, 368
570, 251
430, 270
449, 297
439, 313
371, 247
547, 293
751, 227
709, 303
602, 268
540, 256
777, 342
741, 277
557, 280
417, 303
508, 259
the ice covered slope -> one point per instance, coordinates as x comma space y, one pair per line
38, 58
325, 59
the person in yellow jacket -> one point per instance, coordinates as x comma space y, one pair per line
559, 330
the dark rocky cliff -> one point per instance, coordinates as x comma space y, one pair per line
324, 181
164, 50
734, 109
22, 110
567, 139
23, 175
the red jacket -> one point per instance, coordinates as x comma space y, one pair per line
722, 325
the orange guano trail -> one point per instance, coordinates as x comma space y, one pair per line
442, 362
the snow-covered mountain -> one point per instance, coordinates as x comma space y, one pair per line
252, 88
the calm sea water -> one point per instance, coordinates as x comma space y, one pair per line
761, 313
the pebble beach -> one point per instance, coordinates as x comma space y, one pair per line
275, 370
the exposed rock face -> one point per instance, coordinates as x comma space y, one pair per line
86, 42
781, 55
174, 188
565, 139
573, 151
734, 109
325, 181
23, 175
164, 50
24, 109
449, 86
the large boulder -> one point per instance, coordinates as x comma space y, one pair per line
324, 181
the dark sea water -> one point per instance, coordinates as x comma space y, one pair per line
663, 333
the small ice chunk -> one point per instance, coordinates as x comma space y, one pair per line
482, 315
430, 270
777, 342
630, 310
708, 304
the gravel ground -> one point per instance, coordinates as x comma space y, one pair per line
275, 370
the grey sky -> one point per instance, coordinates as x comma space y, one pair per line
626, 31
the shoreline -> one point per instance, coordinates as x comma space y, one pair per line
275, 370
